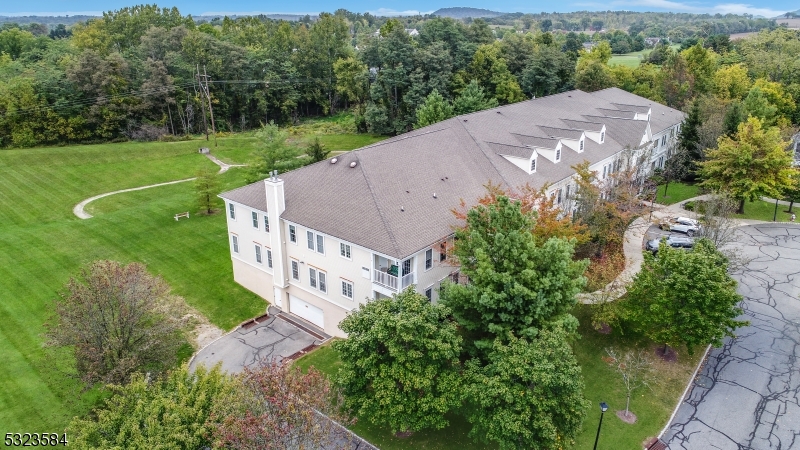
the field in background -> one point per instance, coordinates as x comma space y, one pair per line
42, 244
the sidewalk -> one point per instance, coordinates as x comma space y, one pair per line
633, 247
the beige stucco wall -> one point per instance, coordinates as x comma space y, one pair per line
253, 279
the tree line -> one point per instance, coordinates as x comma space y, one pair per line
134, 73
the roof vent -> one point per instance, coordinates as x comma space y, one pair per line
402, 209
334, 160
353, 164
465, 120
434, 195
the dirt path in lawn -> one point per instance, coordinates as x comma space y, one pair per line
81, 213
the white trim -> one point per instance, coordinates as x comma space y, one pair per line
349, 250
316, 294
257, 220
352, 289
255, 266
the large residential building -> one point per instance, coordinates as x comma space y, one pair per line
318, 241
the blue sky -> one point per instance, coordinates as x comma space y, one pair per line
391, 7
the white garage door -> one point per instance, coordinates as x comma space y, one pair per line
307, 311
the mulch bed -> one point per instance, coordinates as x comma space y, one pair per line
627, 418
669, 356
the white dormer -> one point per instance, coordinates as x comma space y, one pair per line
552, 154
596, 136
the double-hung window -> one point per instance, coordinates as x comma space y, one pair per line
558, 196
347, 289
295, 271
255, 219
428, 258
429, 293
232, 211
317, 280
442, 251
312, 277
533, 165
235, 242
266, 223
344, 250
602, 136
581, 145
293, 233
258, 253
320, 242
558, 153
269, 258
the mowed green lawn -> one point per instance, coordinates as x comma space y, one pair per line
42, 244
653, 407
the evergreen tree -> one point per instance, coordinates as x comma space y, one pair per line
689, 142
207, 187
472, 99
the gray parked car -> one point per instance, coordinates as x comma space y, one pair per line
672, 241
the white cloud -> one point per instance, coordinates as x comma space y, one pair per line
392, 12
53, 14
723, 8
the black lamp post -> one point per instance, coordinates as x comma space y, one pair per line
603, 409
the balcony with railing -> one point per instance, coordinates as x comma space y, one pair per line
386, 273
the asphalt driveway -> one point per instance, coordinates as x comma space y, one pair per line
748, 394
276, 337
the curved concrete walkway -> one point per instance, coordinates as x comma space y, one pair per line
79, 211
632, 248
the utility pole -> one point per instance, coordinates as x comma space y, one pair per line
210, 109
202, 100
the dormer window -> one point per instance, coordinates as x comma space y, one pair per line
602, 136
581, 146
558, 152
533, 165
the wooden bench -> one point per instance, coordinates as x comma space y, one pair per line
178, 216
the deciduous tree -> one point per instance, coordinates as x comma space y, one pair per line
207, 187
168, 412
400, 362
634, 367
434, 109
517, 284
119, 320
528, 396
685, 297
276, 406
754, 164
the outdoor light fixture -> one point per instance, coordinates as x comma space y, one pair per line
603, 409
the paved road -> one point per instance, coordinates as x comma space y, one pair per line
272, 339
748, 394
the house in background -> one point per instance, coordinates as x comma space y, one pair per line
320, 240
796, 147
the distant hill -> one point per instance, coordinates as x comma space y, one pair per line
463, 13
47, 20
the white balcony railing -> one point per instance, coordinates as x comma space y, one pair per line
408, 280
391, 281
384, 279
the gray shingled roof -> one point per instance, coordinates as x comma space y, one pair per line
617, 113
562, 132
583, 125
386, 202
536, 141
636, 108
662, 116
512, 150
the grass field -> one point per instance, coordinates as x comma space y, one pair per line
633, 59
652, 407
676, 192
761, 210
42, 244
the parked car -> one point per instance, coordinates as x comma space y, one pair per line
672, 241
682, 225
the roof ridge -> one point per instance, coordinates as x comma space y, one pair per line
510, 145
401, 137
483, 152
378, 207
